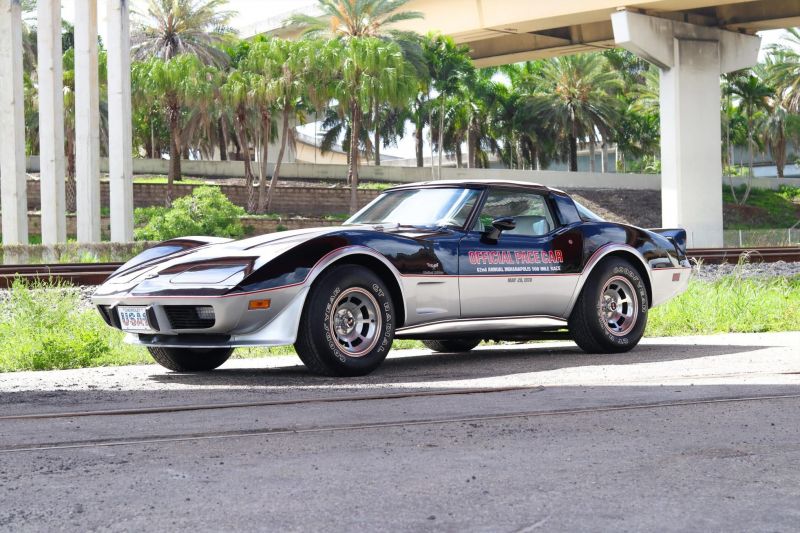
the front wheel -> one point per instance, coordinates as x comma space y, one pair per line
611, 312
190, 359
347, 326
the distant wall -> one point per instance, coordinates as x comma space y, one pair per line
254, 225
305, 201
551, 178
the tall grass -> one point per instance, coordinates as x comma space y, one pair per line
731, 304
42, 326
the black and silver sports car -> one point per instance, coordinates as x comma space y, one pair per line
450, 263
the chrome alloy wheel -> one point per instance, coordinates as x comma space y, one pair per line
355, 321
618, 306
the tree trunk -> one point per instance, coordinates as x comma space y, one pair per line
459, 156
592, 164
174, 151
573, 153
750, 164
276, 173
241, 132
430, 137
441, 135
222, 139
352, 172
263, 195
604, 155
471, 147
377, 148
420, 147
152, 151
779, 153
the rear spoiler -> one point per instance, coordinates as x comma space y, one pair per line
676, 236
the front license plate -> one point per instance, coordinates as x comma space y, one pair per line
133, 318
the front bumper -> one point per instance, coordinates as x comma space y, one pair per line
234, 326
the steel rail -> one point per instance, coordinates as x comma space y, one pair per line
249, 433
755, 255
97, 273
73, 273
266, 403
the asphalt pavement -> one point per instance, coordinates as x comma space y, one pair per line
689, 433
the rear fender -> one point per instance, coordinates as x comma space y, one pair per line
622, 250
676, 236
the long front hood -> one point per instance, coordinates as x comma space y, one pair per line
261, 249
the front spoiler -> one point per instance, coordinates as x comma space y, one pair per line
279, 331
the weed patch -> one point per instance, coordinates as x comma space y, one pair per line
729, 305
43, 327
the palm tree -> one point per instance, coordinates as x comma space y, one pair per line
775, 134
173, 27
751, 95
784, 69
449, 67
237, 92
363, 18
285, 67
369, 70
176, 84
576, 98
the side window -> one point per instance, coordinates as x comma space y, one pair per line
529, 211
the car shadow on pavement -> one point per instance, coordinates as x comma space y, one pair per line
482, 363
527, 366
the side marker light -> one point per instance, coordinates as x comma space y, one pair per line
258, 304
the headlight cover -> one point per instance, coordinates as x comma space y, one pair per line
228, 271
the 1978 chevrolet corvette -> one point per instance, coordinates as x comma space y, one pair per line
450, 263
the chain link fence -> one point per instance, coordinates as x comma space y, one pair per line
759, 238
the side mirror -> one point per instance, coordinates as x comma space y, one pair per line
499, 225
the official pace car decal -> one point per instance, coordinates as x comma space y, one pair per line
516, 261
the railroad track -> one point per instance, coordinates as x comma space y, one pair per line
74, 273
755, 255
467, 418
96, 273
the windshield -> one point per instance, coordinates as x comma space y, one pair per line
445, 206
586, 214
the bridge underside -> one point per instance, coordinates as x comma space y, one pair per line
508, 31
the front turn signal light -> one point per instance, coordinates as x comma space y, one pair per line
258, 304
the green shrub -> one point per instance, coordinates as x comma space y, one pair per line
207, 211
42, 327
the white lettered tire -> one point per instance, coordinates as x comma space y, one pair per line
347, 325
610, 315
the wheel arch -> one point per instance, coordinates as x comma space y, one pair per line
377, 263
628, 253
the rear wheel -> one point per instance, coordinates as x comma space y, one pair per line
347, 326
611, 313
455, 345
190, 359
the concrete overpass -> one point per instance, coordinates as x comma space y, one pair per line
509, 31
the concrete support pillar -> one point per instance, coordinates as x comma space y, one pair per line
87, 122
691, 59
51, 123
120, 164
12, 125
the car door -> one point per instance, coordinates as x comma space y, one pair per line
528, 271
